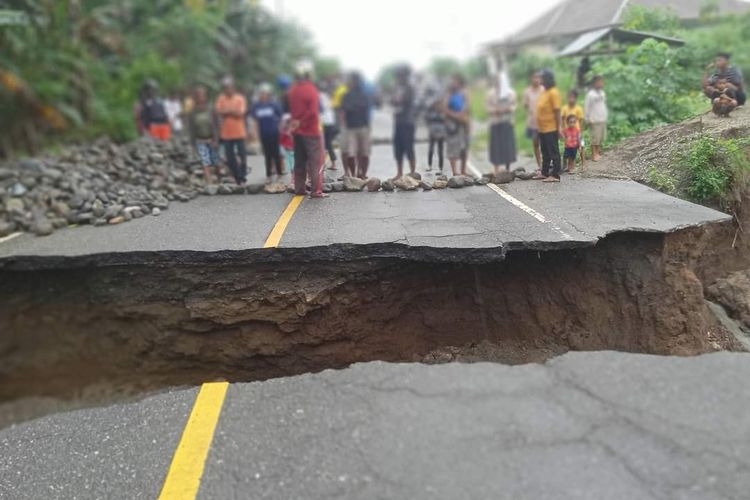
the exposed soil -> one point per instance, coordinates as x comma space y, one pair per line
103, 331
660, 148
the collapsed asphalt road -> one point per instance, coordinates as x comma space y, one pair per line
584, 426
249, 288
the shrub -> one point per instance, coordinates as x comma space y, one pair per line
717, 169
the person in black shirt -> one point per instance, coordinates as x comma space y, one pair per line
355, 110
404, 117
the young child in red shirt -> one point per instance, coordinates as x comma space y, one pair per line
572, 137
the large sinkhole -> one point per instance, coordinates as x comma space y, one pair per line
92, 332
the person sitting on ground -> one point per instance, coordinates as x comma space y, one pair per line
572, 137
153, 113
355, 107
458, 124
231, 107
204, 134
572, 108
267, 115
596, 115
725, 72
404, 118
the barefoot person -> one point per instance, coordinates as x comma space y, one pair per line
530, 98
436, 126
501, 107
304, 107
404, 116
548, 123
595, 113
231, 108
355, 107
204, 134
456, 112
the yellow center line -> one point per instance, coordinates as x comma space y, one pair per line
185, 472
278, 230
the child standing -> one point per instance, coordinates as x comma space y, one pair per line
286, 141
572, 137
572, 108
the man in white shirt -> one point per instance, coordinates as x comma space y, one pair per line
595, 112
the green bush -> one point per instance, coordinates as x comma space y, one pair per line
717, 169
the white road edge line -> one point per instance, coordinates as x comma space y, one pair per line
519, 204
10, 237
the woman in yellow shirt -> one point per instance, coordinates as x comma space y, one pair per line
548, 121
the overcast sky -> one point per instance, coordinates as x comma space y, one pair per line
368, 34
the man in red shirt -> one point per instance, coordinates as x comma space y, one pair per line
304, 107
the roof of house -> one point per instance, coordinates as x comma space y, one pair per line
571, 17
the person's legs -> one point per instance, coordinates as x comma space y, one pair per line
267, 148
409, 151
398, 149
536, 145
546, 153
363, 152
231, 158
300, 164
313, 151
204, 155
242, 162
741, 97
441, 154
329, 133
431, 151
555, 154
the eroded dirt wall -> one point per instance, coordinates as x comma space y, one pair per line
136, 328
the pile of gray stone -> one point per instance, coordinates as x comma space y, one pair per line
99, 183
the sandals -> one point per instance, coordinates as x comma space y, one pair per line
551, 179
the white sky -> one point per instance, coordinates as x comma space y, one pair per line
368, 34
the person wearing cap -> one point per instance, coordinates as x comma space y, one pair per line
231, 107
304, 108
725, 74
404, 120
267, 114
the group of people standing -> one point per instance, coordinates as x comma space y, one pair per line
549, 122
298, 130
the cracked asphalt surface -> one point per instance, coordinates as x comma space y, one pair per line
583, 426
443, 225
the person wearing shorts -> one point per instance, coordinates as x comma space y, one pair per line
355, 107
203, 129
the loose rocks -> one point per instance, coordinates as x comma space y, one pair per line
388, 185
503, 177
440, 184
406, 183
353, 184
373, 184
275, 188
457, 182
